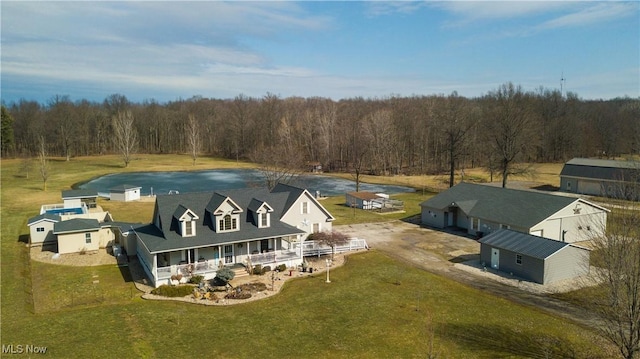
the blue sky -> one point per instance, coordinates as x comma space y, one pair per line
167, 50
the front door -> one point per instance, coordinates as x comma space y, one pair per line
495, 258
264, 246
228, 254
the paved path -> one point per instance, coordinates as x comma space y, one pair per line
434, 250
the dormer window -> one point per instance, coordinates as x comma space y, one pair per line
225, 213
189, 229
260, 213
187, 220
227, 223
264, 220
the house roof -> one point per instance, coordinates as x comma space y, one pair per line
293, 194
79, 193
123, 188
364, 195
76, 225
525, 244
43, 217
517, 208
202, 204
602, 169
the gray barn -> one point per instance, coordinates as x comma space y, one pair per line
541, 260
605, 178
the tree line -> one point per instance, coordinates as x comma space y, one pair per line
394, 135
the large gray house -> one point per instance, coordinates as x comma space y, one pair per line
482, 209
605, 178
533, 258
196, 233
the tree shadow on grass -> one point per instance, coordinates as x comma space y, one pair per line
505, 342
465, 258
547, 187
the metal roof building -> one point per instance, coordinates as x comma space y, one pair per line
597, 177
482, 209
538, 259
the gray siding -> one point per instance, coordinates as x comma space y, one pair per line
567, 263
433, 217
531, 268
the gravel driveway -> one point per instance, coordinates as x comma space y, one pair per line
456, 256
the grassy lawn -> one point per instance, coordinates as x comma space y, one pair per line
374, 307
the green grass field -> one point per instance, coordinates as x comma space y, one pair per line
375, 307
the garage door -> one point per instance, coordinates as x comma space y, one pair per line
588, 187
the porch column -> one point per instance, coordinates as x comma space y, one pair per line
219, 255
154, 268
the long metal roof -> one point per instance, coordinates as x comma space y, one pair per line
522, 243
628, 171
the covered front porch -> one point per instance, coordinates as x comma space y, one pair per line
206, 261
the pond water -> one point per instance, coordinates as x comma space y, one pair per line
202, 181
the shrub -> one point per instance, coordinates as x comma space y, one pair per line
173, 291
253, 287
266, 269
224, 275
238, 295
196, 279
257, 269
281, 268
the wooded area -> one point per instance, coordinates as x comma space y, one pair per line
409, 135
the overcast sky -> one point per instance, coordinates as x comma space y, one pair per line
171, 50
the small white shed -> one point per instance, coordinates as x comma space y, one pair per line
125, 193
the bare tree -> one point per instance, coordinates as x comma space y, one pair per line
125, 135
277, 165
43, 163
193, 138
456, 121
509, 127
331, 239
617, 257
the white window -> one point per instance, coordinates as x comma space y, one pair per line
316, 227
87, 238
188, 228
305, 207
40, 229
228, 223
264, 220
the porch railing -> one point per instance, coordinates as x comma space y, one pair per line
187, 270
314, 248
279, 256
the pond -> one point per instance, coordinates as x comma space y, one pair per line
211, 180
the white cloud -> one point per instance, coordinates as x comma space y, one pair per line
558, 13
599, 12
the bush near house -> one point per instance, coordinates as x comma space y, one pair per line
173, 291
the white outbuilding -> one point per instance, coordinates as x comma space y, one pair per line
125, 193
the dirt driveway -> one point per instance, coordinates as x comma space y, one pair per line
456, 256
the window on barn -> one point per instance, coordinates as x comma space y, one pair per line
87, 238
40, 229
519, 259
